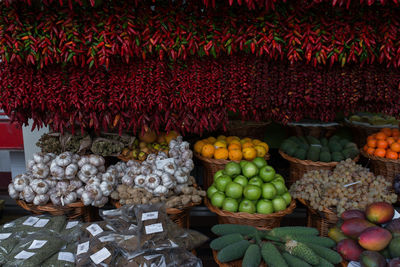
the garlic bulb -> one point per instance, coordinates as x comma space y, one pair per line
106, 188
57, 171
69, 198
152, 181
84, 160
181, 177
51, 155
160, 190
133, 163
94, 191
52, 183
101, 168
158, 172
170, 167
12, 192
40, 170
145, 170
30, 164
161, 156
55, 199
71, 170
108, 177
83, 177
133, 171
62, 186
75, 184
28, 194
185, 170
94, 181
40, 200
75, 158
128, 180
168, 181
64, 159
79, 192
47, 158
20, 183
38, 157
189, 164
100, 203
87, 198
89, 170
151, 158
140, 181
96, 160
39, 186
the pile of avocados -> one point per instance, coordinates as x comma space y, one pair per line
324, 150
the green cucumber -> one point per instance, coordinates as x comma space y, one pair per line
294, 261
287, 230
272, 256
252, 257
233, 252
226, 229
326, 253
223, 241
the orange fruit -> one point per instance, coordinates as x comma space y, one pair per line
235, 154
221, 137
395, 147
221, 153
390, 154
256, 142
229, 139
381, 136
208, 151
265, 145
211, 139
245, 140
382, 144
206, 141
371, 150
372, 143
390, 140
249, 153
366, 148
261, 152
395, 132
380, 152
237, 142
234, 146
198, 146
220, 144
247, 144
373, 136
387, 131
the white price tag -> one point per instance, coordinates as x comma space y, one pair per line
94, 229
71, 224
110, 227
41, 223
107, 238
37, 244
4, 235
154, 228
108, 212
82, 248
100, 255
132, 227
149, 216
7, 225
30, 221
23, 255
66, 256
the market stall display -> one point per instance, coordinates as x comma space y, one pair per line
329, 193
242, 129
249, 193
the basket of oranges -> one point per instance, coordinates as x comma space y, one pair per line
215, 153
383, 150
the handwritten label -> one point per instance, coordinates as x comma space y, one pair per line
100, 255
71, 224
82, 248
4, 235
23, 255
30, 221
94, 229
37, 244
154, 228
41, 223
66, 256
150, 216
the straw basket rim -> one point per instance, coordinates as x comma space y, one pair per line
396, 161
312, 163
221, 161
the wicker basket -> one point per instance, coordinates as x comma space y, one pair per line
322, 220
299, 167
237, 263
318, 131
252, 129
71, 211
260, 221
388, 168
211, 166
180, 216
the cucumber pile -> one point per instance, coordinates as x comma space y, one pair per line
292, 246
324, 150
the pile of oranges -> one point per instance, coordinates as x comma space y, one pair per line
384, 144
231, 147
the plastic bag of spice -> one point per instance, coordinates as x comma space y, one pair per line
117, 219
106, 147
36, 223
92, 229
72, 231
8, 241
96, 251
64, 258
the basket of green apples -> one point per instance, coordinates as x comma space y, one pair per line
249, 193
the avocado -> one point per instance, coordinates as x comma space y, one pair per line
350, 145
295, 140
324, 141
334, 138
303, 139
337, 156
325, 149
291, 150
313, 153
335, 146
325, 157
300, 154
344, 142
312, 140
286, 145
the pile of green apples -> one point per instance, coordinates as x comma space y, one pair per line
249, 186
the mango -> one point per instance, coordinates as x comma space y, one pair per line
394, 262
372, 259
394, 227
354, 227
380, 212
375, 238
336, 234
394, 247
349, 249
350, 214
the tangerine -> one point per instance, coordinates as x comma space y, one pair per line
387, 131
366, 148
245, 140
371, 150
256, 142
208, 151
211, 139
372, 143
261, 152
390, 140
247, 144
249, 153
390, 154
265, 145
381, 136
373, 136
235, 142
234, 146
229, 139
380, 152
235, 154
220, 144
382, 144
221, 153
395, 132
221, 137
395, 147
198, 146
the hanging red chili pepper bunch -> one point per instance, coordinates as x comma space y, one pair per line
92, 38
192, 97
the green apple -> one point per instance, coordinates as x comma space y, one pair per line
268, 191
256, 181
260, 162
230, 204
240, 179
250, 170
217, 199
218, 174
264, 206
279, 177
211, 190
279, 203
280, 187
252, 192
221, 182
247, 206
243, 163
232, 169
267, 173
287, 197
233, 190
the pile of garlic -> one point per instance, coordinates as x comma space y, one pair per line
159, 176
64, 179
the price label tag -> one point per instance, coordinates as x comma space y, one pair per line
132, 227
7, 225
37, 244
149, 216
94, 229
100, 255
41, 223
82, 248
71, 224
154, 228
30, 221
4, 235
107, 238
23, 255
66, 256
